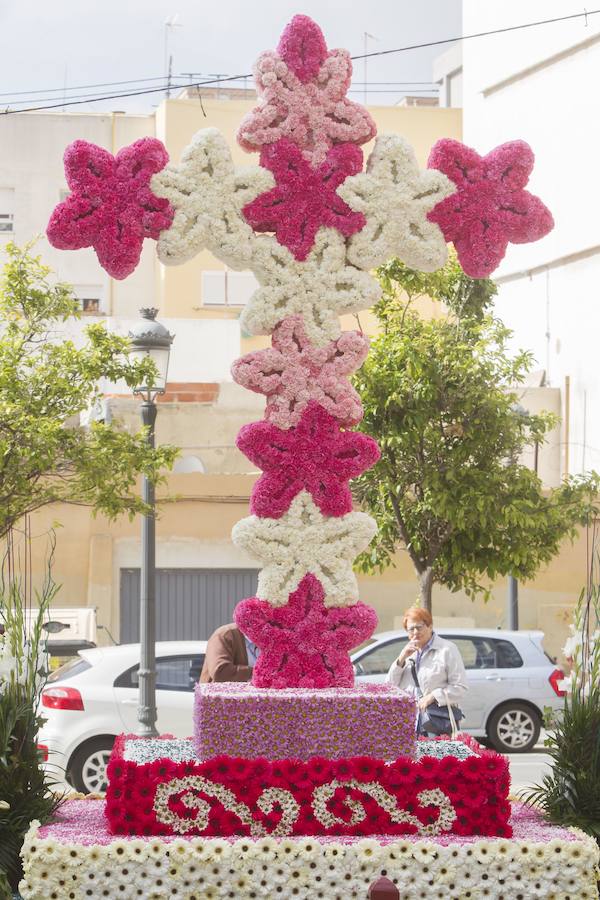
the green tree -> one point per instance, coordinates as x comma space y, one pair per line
45, 383
439, 396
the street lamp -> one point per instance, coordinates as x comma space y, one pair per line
149, 339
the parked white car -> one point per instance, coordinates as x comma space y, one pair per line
511, 681
94, 697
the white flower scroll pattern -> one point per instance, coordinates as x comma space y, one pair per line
321, 288
187, 790
187, 787
208, 193
301, 541
395, 196
436, 797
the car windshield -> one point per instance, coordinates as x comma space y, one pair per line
75, 666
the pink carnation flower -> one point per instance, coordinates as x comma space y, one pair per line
293, 371
304, 643
111, 207
304, 198
315, 456
302, 89
490, 208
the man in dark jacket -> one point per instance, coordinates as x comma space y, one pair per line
226, 656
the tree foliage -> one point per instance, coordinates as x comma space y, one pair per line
439, 395
46, 381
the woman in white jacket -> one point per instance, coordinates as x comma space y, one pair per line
436, 663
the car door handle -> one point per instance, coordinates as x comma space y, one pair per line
130, 702
494, 678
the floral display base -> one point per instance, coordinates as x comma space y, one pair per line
158, 787
77, 857
240, 719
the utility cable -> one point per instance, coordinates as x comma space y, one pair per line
221, 80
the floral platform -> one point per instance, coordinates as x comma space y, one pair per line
303, 784
78, 858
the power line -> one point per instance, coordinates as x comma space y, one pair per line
95, 96
81, 87
229, 78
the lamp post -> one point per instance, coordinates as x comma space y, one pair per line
149, 339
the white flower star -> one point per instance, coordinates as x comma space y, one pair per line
208, 194
301, 541
321, 288
395, 196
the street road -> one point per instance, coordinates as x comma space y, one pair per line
527, 769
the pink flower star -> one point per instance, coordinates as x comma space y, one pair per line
304, 643
315, 456
111, 207
304, 198
490, 208
302, 89
293, 371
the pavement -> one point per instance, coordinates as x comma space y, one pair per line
527, 769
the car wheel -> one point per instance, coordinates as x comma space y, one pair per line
87, 768
514, 728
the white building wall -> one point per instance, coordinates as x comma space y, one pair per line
540, 84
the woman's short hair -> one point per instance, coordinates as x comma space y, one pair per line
418, 613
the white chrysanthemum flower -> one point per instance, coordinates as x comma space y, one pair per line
304, 540
424, 851
286, 849
266, 850
395, 196
367, 850
333, 852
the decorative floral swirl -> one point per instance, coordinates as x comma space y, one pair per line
169, 789
290, 809
323, 794
289, 806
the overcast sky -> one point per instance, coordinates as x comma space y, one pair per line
70, 43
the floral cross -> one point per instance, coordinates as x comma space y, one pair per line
490, 207
293, 371
314, 456
302, 90
111, 206
301, 541
396, 197
304, 198
304, 643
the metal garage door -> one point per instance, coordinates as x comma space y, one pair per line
190, 603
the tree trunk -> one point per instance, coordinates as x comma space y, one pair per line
426, 582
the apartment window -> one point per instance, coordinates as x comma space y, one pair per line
90, 298
7, 210
225, 288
